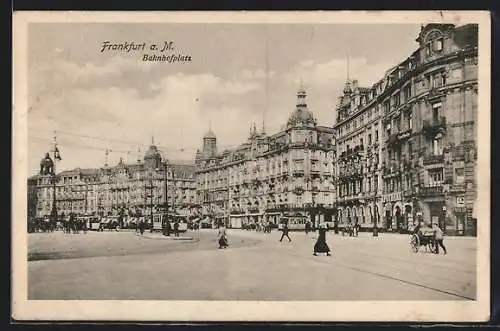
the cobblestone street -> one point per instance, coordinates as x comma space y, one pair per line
126, 266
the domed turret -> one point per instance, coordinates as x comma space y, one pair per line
209, 144
152, 153
347, 87
301, 115
152, 157
46, 165
209, 135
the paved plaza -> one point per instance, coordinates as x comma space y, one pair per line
125, 266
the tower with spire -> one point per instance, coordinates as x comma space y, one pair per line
210, 142
152, 157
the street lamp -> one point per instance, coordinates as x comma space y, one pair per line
165, 180
57, 157
443, 224
375, 219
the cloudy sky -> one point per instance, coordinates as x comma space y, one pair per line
238, 75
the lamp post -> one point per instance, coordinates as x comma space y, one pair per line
375, 219
443, 224
57, 157
165, 180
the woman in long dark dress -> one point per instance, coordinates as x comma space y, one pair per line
321, 246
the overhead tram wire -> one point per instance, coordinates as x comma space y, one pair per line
86, 146
129, 142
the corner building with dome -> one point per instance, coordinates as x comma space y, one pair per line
289, 173
131, 189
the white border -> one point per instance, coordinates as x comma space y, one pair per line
415, 311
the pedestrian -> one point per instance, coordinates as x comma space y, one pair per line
176, 228
141, 226
438, 237
169, 228
223, 242
284, 233
321, 246
308, 227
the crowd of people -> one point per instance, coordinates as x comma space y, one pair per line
321, 245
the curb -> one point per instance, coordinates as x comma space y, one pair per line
165, 238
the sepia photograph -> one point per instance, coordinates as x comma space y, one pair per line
251, 166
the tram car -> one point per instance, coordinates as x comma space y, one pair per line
159, 219
295, 221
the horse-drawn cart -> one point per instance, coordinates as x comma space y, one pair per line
423, 238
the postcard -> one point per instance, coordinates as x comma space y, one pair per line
251, 166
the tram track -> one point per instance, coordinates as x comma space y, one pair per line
350, 266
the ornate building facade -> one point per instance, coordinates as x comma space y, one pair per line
268, 176
407, 145
135, 189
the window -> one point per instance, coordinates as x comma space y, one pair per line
410, 122
376, 135
438, 80
407, 92
459, 176
387, 106
410, 149
437, 45
436, 177
428, 49
361, 141
395, 100
369, 139
435, 111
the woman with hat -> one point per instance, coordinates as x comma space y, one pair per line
321, 246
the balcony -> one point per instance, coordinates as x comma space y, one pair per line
435, 93
433, 159
315, 171
408, 193
298, 190
431, 191
253, 210
391, 170
431, 128
236, 212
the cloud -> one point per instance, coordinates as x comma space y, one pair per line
177, 114
94, 100
256, 74
335, 71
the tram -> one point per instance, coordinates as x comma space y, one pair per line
296, 221
160, 218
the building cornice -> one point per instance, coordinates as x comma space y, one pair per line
421, 68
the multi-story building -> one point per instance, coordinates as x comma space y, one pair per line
269, 175
358, 132
414, 131
131, 188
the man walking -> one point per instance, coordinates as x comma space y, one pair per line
284, 233
176, 228
438, 237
